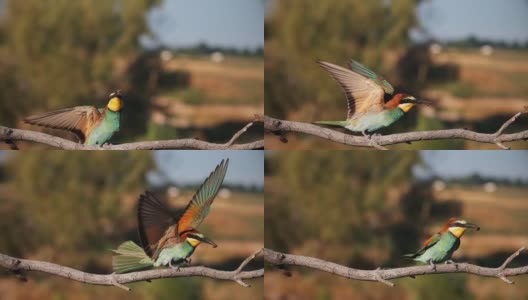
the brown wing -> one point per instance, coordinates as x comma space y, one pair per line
80, 120
156, 224
363, 94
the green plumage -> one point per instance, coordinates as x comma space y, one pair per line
105, 130
439, 250
130, 258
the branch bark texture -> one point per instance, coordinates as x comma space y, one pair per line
384, 275
499, 137
9, 135
18, 266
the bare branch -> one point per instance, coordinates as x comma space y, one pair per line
11, 134
278, 127
384, 275
238, 134
508, 123
16, 266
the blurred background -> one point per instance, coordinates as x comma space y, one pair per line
469, 59
186, 69
71, 208
366, 209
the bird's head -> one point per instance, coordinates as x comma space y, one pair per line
115, 101
457, 226
194, 237
407, 102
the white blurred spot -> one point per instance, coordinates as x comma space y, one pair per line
217, 57
490, 187
435, 48
439, 185
173, 192
486, 50
224, 193
165, 55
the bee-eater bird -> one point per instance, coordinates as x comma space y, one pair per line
167, 239
92, 126
365, 92
441, 246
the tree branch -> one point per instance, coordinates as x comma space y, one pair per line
8, 135
383, 275
278, 127
17, 266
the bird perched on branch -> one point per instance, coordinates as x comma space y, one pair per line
366, 92
167, 239
440, 247
91, 125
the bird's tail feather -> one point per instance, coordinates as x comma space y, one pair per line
409, 256
332, 123
130, 257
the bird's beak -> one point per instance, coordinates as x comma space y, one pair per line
208, 241
425, 102
469, 225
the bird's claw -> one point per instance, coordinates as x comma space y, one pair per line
177, 268
372, 141
433, 266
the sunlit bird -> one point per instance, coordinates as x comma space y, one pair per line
91, 125
168, 239
366, 92
440, 247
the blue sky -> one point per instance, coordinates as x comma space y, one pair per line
192, 167
232, 23
500, 163
184, 167
493, 19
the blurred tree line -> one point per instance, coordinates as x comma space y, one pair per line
476, 42
63, 202
376, 33
204, 48
68, 53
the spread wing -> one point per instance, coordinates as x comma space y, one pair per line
363, 94
198, 208
154, 218
361, 69
78, 120
428, 244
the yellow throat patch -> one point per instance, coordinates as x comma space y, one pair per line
457, 231
115, 104
193, 242
406, 106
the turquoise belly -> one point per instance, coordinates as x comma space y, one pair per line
102, 133
374, 121
441, 251
176, 254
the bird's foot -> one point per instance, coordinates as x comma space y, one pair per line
187, 261
174, 267
450, 261
433, 266
372, 140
